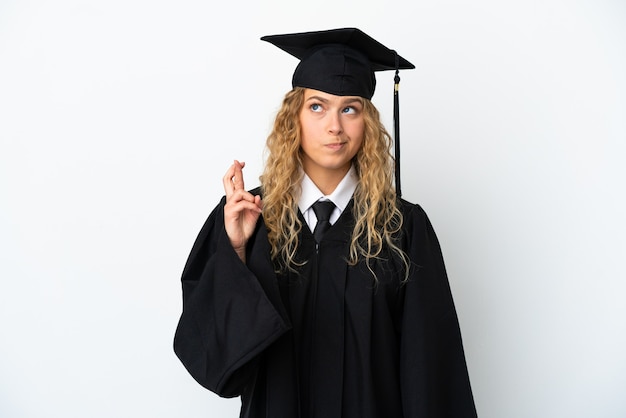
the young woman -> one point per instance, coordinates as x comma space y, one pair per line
303, 313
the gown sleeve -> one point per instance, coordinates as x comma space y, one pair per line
231, 311
434, 377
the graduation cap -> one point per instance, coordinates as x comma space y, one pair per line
342, 62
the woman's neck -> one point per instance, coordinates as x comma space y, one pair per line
327, 180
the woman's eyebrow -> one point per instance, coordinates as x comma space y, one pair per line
321, 99
349, 100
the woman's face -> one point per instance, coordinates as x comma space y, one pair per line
332, 132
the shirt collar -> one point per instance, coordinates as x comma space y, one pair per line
340, 196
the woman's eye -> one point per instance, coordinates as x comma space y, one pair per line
316, 107
349, 110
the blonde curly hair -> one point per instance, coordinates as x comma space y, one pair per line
377, 217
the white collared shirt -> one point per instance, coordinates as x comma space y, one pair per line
340, 197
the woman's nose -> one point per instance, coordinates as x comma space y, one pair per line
334, 123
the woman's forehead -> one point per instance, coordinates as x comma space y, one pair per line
328, 97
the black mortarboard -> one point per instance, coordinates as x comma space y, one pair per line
342, 62
338, 61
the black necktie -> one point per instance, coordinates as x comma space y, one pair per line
322, 210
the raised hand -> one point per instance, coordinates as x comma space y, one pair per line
241, 211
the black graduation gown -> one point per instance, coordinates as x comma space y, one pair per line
327, 342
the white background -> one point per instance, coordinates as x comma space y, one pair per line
118, 119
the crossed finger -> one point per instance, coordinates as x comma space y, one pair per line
233, 179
